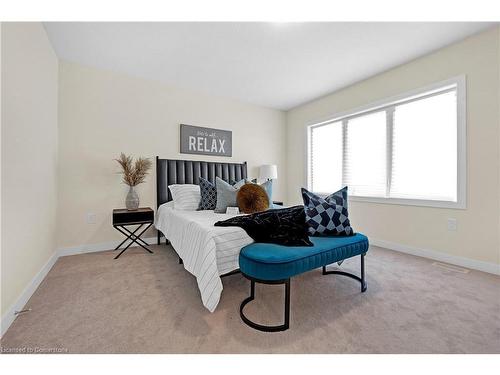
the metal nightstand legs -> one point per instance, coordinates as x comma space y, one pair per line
132, 237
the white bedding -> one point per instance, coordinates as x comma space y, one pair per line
207, 251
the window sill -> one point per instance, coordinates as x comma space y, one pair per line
411, 202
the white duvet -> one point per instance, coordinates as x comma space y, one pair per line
207, 251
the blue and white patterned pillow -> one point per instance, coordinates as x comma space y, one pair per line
328, 216
208, 193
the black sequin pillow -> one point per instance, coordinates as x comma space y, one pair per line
285, 226
328, 216
208, 193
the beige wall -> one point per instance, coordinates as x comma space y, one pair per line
498, 64
2, 308
102, 114
478, 226
29, 155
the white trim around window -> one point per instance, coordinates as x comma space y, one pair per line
456, 83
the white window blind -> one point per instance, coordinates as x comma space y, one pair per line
407, 149
424, 144
326, 157
365, 155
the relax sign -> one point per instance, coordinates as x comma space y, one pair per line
206, 141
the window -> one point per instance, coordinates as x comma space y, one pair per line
406, 150
365, 155
326, 156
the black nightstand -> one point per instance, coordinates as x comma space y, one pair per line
140, 217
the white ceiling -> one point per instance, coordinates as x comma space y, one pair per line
276, 65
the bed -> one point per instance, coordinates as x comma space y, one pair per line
206, 251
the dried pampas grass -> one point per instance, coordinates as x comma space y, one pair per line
134, 173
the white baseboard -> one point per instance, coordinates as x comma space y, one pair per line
9, 316
439, 256
92, 248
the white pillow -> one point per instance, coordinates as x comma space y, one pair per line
169, 204
186, 197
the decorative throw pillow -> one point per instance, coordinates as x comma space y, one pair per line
185, 196
252, 198
285, 226
208, 193
241, 182
238, 184
327, 216
267, 186
226, 195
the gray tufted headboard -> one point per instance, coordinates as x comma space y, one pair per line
172, 171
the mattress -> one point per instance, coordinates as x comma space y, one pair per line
207, 251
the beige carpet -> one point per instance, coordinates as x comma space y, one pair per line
144, 303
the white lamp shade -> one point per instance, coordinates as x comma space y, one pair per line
269, 171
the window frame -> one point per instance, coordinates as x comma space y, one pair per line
388, 104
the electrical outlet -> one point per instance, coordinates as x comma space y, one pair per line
452, 224
91, 218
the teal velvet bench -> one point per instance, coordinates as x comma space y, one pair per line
275, 264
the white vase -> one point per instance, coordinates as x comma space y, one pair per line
132, 200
